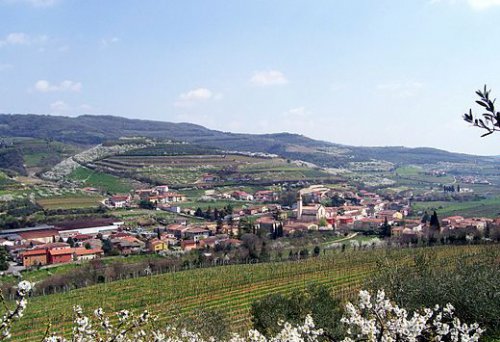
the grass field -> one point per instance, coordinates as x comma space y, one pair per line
70, 202
230, 289
482, 208
102, 181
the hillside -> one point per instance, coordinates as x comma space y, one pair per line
228, 288
91, 130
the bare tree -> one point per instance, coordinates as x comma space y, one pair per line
491, 119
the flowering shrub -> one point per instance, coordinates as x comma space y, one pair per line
377, 319
23, 289
372, 319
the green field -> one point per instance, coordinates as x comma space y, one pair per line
70, 201
482, 208
101, 181
230, 289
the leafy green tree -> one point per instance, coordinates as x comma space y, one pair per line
71, 242
198, 212
316, 300
4, 255
107, 247
471, 283
386, 229
145, 204
434, 221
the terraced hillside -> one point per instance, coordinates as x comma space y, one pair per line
231, 289
182, 167
94, 129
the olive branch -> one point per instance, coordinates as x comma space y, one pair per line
491, 118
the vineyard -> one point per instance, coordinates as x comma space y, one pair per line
188, 169
230, 289
70, 202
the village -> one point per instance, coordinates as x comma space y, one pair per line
360, 212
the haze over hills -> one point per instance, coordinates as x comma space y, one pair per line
93, 129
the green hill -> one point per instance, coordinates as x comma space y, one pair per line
94, 129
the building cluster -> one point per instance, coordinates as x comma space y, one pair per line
260, 196
85, 240
45, 245
157, 196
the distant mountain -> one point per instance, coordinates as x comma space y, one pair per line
93, 129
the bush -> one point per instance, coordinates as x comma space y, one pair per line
316, 301
470, 284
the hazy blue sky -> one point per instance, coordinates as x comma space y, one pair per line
354, 72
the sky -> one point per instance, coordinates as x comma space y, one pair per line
355, 72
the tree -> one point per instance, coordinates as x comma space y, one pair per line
386, 228
425, 218
491, 119
198, 212
434, 221
107, 247
4, 264
71, 242
145, 204
316, 300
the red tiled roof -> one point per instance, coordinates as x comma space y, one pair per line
37, 234
120, 198
34, 252
52, 245
63, 251
84, 251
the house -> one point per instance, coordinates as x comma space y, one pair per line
295, 227
208, 242
344, 220
171, 208
128, 245
196, 233
265, 196
177, 230
188, 245
144, 194
230, 242
120, 201
104, 226
156, 245
167, 197
43, 236
82, 237
81, 254
161, 189
452, 220
390, 215
209, 178
60, 255
34, 257
242, 196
